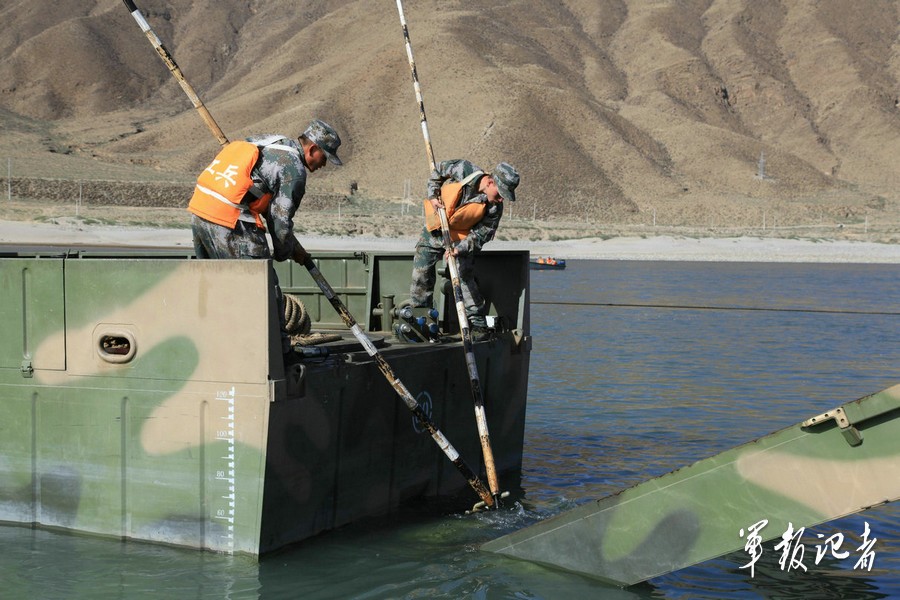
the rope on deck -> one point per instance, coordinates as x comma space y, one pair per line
299, 325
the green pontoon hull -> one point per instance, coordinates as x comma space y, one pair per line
145, 397
835, 464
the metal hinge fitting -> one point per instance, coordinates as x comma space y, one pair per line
850, 433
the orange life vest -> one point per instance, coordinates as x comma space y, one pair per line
222, 186
460, 218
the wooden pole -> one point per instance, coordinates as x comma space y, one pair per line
475, 384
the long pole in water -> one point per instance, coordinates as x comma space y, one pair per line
401, 390
317, 276
477, 395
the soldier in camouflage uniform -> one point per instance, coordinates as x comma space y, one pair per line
489, 189
280, 170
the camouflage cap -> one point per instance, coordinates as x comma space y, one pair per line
507, 179
326, 138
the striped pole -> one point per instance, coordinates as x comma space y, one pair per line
398, 386
317, 276
170, 63
477, 396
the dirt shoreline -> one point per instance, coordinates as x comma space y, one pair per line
739, 249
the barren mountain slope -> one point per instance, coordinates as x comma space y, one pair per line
607, 107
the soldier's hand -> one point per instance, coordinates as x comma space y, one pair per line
300, 254
436, 203
462, 247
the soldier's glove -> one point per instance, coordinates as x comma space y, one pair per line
300, 254
462, 247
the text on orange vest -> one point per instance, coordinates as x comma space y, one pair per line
222, 186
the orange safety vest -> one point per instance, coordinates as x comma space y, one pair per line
222, 185
461, 219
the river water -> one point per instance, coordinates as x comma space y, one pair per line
638, 368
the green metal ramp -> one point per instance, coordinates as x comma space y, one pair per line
832, 465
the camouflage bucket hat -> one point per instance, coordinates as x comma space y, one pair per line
326, 138
507, 179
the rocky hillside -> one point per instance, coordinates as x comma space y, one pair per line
609, 108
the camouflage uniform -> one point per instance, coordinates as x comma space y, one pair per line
430, 246
281, 171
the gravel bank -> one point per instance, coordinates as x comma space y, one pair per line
619, 248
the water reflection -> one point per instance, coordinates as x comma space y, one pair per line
48, 565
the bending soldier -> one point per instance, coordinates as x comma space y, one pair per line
253, 186
473, 200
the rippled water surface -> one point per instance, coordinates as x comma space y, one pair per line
637, 368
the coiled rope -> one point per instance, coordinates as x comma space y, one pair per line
298, 324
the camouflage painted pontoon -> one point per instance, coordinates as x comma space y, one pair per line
145, 397
831, 465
